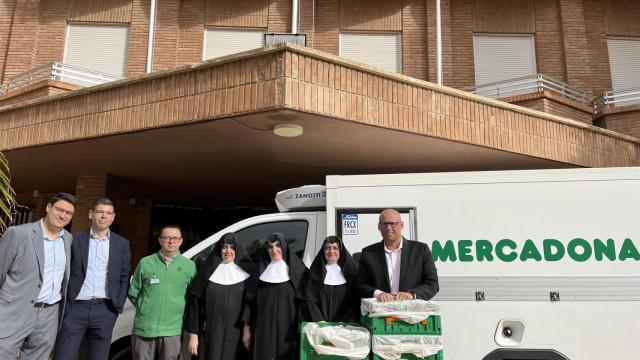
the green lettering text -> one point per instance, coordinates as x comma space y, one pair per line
483, 250
529, 251
572, 249
440, 253
628, 251
500, 250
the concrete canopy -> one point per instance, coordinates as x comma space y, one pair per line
204, 133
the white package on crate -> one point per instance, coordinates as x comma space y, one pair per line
391, 347
352, 342
410, 311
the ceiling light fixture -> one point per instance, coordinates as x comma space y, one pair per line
288, 130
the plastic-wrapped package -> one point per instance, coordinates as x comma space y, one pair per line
391, 347
410, 311
352, 342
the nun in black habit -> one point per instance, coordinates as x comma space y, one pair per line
330, 293
217, 297
274, 329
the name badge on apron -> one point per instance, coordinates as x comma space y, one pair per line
154, 280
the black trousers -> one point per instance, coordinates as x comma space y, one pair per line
94, 320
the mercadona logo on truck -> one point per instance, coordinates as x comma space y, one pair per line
547, 250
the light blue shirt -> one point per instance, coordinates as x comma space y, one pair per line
95, 282
55, 260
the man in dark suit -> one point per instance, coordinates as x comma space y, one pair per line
34, 271
98, 286
396, 268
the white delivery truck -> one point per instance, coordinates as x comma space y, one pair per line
540, 264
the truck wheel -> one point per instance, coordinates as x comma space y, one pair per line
121, 350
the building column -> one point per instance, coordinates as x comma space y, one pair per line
133, 221
576, 47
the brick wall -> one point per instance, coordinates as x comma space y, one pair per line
279, 16
598, 51
112, 11
165, 47
53, 28
625, 120
133, 222
190, 32
22, 39
233, 13
548, 36
576, 48
414, 39
7, 8
36, 90
570, 34
461, 74
89, 188
138, 37
327, 26
373, 15
504, 16
622, 17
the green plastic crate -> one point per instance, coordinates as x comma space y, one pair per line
437, 356
390, 325
308, 353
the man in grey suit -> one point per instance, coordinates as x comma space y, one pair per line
34, 270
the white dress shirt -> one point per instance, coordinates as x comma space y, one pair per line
393, 258
95, 282
55, 259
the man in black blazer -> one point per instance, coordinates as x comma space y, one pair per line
396, 268
98, 286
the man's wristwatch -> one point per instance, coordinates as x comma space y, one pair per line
412, 294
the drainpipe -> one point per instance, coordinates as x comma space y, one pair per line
438, 42
294, 17
152, 31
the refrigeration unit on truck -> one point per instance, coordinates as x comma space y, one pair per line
535, 264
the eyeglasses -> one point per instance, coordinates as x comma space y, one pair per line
170, 238
392, 224
61, 211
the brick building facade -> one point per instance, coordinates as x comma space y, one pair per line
311, 86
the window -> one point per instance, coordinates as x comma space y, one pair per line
383, 50
624, 59
251, 237
221, 42
101, 48
498, 58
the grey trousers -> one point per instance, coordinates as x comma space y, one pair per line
35, 339
167, 347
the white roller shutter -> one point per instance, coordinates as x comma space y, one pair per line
101, 48
624, 59
221, 42
499, 58
383, 50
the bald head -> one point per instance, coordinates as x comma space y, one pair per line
390, 225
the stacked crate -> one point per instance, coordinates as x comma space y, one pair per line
307, 352
389, 326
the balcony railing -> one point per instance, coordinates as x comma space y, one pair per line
527, 85
617, 98
273, 38
59, 71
